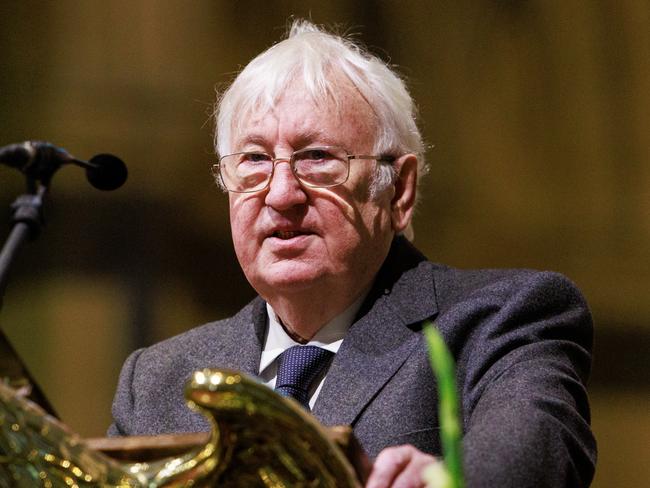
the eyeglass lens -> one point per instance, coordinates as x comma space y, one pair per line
317, 167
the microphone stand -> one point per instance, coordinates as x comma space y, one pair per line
27, 221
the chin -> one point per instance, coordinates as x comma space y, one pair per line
294, 277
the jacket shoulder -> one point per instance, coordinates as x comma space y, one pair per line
203, 340
499, 286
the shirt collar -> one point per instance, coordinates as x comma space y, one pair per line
329, 337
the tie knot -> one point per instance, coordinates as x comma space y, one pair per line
298, 367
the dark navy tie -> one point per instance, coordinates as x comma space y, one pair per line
298, 367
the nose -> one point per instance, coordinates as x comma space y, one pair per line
284, 189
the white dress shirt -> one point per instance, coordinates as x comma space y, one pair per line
328, 337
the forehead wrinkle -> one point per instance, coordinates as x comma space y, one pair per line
303, 138
256, 139
307, 137
251, 114
348, 94
352, 105
347, 105
344, 102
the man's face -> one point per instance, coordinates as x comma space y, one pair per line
290, 238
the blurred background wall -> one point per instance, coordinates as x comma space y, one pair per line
539, 112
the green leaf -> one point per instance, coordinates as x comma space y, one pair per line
443, 367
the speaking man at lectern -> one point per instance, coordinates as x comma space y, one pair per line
320, 156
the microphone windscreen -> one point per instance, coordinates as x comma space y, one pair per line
17, 155
107, 173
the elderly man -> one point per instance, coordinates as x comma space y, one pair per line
320, 156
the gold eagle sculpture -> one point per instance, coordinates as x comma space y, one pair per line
257, 439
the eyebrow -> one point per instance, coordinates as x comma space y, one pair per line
300, 140
307, 137
256, 139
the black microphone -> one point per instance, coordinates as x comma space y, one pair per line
104, 171
40, 160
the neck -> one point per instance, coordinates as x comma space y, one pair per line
302, 317
303, 320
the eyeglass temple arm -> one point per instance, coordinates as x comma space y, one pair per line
383, 159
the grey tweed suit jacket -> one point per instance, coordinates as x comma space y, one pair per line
521, 339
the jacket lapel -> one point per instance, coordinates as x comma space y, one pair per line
382, 338
239, 344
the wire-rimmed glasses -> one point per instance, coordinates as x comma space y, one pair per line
317, 167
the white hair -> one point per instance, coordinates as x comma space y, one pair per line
310, 55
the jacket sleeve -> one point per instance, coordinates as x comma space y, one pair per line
123, 403
524, 393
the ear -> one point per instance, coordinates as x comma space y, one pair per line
403, 202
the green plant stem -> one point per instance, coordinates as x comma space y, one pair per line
443, 367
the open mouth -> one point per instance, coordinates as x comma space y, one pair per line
288, 234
